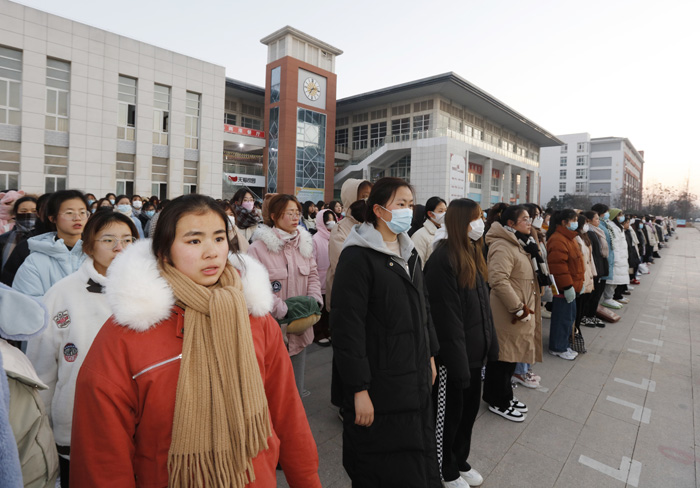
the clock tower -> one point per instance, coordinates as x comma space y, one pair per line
300, 94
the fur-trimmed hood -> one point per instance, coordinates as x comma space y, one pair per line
275, 243
140, 297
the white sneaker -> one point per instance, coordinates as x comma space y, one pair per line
630, 287
564, 355
510, 413
472, 477
546, 314
623, 300
610, 303
458, 483
518, 405
526, 381
571, 351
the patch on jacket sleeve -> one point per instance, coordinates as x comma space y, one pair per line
276, 286
70, 352
62, 319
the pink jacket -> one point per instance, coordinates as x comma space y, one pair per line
293, 273
321, 238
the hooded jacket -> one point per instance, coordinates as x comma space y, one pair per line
565, 259
49, 262
383, 338
321, 238
423, 239
27, 451
125, 393
293, 272
513, 284
620, 274
77, 309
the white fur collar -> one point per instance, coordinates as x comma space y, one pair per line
140, 297
275, 244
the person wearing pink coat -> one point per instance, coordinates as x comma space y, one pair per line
325, 221
287, 251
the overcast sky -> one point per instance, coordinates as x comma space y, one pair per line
609, 68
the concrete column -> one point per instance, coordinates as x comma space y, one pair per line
466, 174
505, 184
486, 184
535, 187
523, 187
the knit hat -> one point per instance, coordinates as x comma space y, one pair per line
614, 212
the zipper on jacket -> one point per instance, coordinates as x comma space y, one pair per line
162, 363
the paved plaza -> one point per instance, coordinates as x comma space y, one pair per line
623, 414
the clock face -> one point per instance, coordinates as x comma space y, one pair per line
312, 89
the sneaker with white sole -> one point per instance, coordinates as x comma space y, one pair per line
510, 413
610, 303
564, 355
458, 483
571, 351
533, 376
623, 300
518, 405
546, 314
522, 379
472, 477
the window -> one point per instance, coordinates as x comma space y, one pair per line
400, 169
401, 110
562, 161
10, 83
581, 174
341, 140
55, 168
159, 177
377, 134
126, 118
311, 149
230, 119
421, 125
192, 107
477, 133
378, 114
253, 110
581, 147
339, 122
190, 177
274, 134
161, 114
359, 137
562, 174
360, 118
125, 174
562, 187
580, 187
57, 92
275, 84
9, 164
580, 160
250, 123
475, 181
400, 129
230, 106
564, 148
422, 106
495, 184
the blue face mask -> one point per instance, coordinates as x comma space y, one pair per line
123, 208
622, 219
606, 216
111, 200
150, 213
90, 202
572, 226
400, 220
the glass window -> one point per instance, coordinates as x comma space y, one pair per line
10, 84
190, 176
377, 134
230, 119
57, 93
581, 147
495, 184
9, 164
421, 125
341, 141
311, 150
159, 170
581, 161
126, 115
562, 161
251, 123
126, 167
273, 141
359, 137
564, 148
580, 187
161, 114
581, 174
401, 129
192, 112
275, 84
562, 174
562, 187
475, 181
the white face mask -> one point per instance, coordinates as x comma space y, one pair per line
137, 204
477, 229
537, 222
330, 224
439, 218
586, 227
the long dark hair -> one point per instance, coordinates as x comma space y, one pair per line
164, 234
494, 215
558, 217
466, 256
382, 193
431, 205
583, 220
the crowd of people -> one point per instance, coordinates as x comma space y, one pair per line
165, 341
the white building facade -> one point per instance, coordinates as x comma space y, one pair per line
608, 170
85, 108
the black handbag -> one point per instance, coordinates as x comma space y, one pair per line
576, 341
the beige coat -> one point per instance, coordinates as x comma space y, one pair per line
423, 240
513, 283
589, 268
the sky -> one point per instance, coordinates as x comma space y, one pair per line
619, 68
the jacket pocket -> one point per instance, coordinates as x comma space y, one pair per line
304, 269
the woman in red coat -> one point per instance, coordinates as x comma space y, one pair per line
189, 382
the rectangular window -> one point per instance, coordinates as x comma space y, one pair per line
126, 167
475, 181
580, 187
422, 106
161, 114
55, 168
359, 137
377, 134
230, 119
126, 116
581, 161
562, 187
341, 141
190, 177
341, 121
272, 159
357, 118
275, 84
250, 123
562, 174
564, 148
401, 110
562, 161
581, 174
400, 129
495, 184
254, 110
159, 170
378, 114
9, 165
311, 151
57, 94
421, 125
192, 112
10, 84
581, 147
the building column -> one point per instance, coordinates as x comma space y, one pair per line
505, 184
486, 184
466, 174
522, 190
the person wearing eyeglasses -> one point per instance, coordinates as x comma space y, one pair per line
287, 251
77, 310
54, 255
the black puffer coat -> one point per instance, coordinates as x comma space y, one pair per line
462, 318
601, 263
382, 342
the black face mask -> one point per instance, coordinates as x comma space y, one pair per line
25, 222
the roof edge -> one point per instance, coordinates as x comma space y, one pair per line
288, 29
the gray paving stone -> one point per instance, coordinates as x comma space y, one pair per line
576, 475
608, 435
551, 435
523, 467
570, 403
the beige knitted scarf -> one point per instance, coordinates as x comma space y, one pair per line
221, 418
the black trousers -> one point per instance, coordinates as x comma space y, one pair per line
618, 291
456, 409
497, 388
592, 305
582, 300
64, 467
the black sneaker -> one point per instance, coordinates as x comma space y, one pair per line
510, 413
587, 322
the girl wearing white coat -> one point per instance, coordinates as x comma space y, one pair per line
435, 209
77, 310
621, 267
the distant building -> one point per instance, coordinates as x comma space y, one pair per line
608, 170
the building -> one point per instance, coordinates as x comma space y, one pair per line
85, 108
608, 170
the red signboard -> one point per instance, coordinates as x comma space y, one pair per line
496, 173
476, 168
234, 129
